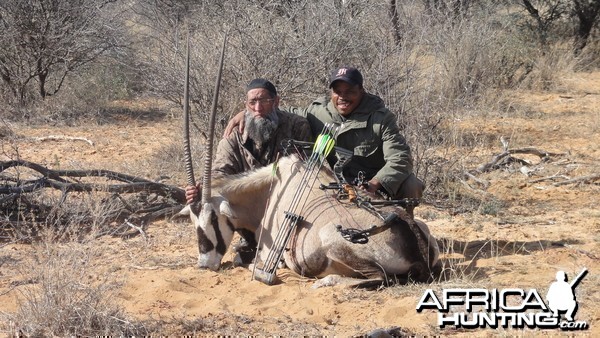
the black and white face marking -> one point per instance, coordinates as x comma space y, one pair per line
215, 233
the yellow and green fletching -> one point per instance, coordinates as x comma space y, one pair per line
320, 144
326, 138
323, 145
329, 147
317, 142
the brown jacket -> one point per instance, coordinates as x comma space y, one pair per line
235, 154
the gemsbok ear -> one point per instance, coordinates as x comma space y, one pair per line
225, 209
186, 211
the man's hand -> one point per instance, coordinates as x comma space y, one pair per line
371, 187
191, 192
236, 121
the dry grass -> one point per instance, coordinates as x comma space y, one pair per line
63, 294
447, 83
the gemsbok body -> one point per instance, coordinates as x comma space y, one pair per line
258, 201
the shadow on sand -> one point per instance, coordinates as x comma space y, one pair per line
459, 259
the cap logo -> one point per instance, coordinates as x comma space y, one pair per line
341, 71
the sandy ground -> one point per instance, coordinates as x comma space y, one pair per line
529, 230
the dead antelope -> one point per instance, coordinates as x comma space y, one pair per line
395, 245
330, 237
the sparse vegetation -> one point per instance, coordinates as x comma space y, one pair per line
62, 296
452, 71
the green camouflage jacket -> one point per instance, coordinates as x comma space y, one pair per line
371, 132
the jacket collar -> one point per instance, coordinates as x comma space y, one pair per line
359, 117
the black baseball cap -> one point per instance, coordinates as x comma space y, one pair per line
261, 83
346, 74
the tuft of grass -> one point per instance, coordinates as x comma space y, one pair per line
65, 297
492, 206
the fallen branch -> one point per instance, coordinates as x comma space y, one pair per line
54, 179
549, 178
485, 184
61, 137
139, 229
534, 151
583, 179
504, 158
20, 209
71, 173
499, 161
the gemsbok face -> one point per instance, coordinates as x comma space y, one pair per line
213, 239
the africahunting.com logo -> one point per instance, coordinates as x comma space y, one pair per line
507, 308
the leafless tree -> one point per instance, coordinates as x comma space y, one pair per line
293, 43
545, 14
45, 41
395, 20
582, 14
455, 8
587, 13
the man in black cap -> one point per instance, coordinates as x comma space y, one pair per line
260, 144
380, 154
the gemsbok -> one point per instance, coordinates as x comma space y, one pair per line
297, 219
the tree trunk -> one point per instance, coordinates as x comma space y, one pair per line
587, 14
393, 13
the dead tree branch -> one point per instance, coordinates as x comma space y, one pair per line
54, 179
25, 205
62, 137
505, 158
582, 179
549, 178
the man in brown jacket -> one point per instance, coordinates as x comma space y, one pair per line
259, 145
266, 127
262, 142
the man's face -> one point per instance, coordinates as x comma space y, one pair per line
346, 97
260, 103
